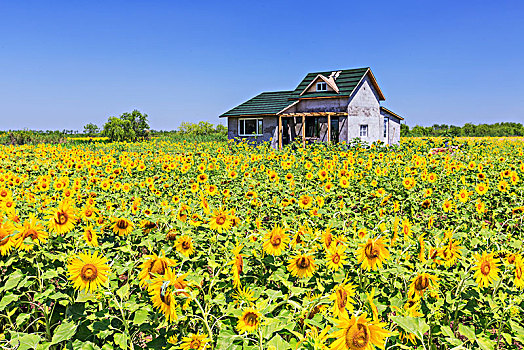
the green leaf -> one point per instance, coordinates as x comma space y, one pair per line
13, 280
64, 332
141, 316
22, 318
466, 331
414, 325
278, 343
123, 292
6, 300
25, 341
485, 344
121, 340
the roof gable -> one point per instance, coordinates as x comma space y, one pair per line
329, 81
347, 81
266, 103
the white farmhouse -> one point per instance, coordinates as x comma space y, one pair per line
334, 106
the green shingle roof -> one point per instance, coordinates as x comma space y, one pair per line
347, 81
265, 103
270, 103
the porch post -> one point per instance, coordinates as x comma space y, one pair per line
279, 132
303, 131
329, 128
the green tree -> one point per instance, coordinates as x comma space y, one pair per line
128, 127
91, 129
117, 129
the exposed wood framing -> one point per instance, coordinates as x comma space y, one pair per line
313, 114
304, 131
279, 132
329, 128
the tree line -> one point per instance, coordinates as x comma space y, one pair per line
444, 130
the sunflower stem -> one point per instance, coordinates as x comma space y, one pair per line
206, 323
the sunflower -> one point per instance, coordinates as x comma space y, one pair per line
238, 265
481, 188
31, 229
420, 284
244, 294
164, 300
184, 245
519, 272
249, 321
154, 265
88, 272
335, 257
486, 269
305, 202
6, 236
451, 252
122, 226
91, 236
359, 333
342, 297
220, 221
372, 254
275, 241
327, 238
63, 218
194, 342
88, 212
302, 266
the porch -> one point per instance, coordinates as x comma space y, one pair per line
311, 126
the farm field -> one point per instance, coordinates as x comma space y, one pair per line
219, 245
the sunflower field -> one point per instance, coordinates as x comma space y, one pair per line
222, 245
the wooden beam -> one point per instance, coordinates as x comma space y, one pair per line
329, 127
279, 132
304, 131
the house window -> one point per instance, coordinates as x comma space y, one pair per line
322, 86
385, 127
363, 131
250, 127
312, 127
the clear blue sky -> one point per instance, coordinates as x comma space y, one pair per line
66, 63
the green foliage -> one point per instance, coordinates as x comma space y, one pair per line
91, 129
30, 137
202, 128
128, 127
497, 129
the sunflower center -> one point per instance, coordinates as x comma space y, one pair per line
158, 267
303, 263
171, 236
186, 245
239, 263
485, 268
89, 235
518, 273
61, 218
335, 258
89, 272
251, 319
358, 339
31, 233
275, 241
166, 298
89, 213
421, 283
371, 251
220, 220
342, 298
195, 344
122, 224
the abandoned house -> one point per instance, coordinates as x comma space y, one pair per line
335, 106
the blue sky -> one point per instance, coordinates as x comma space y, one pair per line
64, 64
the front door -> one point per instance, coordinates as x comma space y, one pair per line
286, 138
334, 129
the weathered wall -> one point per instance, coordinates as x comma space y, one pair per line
321, 105
269, 125
393, 131
364, 109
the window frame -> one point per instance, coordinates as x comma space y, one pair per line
386, 124
312, 124
259, 126
364, 127
323, 84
